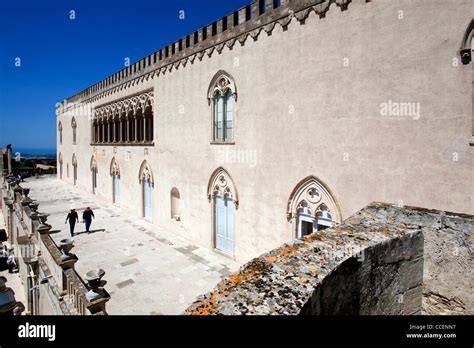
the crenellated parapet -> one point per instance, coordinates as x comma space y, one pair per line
248, 22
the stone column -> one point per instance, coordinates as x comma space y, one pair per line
145, 119
135, 130
128, 129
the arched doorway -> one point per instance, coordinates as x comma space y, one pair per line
147, 182
223, 196
60, 160
74, 168
115, 174
93, 166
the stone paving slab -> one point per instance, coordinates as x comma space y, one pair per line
148, 270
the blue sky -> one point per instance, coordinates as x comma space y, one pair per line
60, 56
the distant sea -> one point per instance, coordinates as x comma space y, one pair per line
26, 152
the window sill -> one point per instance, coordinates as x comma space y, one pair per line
214, 142
141, 143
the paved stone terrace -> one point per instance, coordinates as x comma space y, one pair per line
148, 270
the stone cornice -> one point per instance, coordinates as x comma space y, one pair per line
179, 54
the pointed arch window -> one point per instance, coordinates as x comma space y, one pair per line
311, 207
74, 127
222, 94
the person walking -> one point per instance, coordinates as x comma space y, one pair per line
87, 217
72, 217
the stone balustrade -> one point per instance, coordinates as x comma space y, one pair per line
44, 266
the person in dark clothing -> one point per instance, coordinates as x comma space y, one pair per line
87, 217
72, 217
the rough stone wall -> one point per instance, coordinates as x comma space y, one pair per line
386, 281
381, 260
370, 264
448, 259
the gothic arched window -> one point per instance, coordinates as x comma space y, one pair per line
311, 207
74, 126
221, 95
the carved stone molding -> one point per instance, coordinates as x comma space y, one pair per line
222, 184
145, 173
312, 194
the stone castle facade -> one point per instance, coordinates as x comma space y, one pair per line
283, 118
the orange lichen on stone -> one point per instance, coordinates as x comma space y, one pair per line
239, 277
314, 270
271, 259
207, 307
339, 230
289, 250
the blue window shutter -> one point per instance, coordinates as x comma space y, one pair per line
220, 222
147, 200
116, 189
218, 122
229, 114
229, 203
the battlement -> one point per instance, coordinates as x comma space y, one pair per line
252, 18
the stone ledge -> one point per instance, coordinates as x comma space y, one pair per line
370, 264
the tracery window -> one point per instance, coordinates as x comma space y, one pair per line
124, 122
311, 207
221, 95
